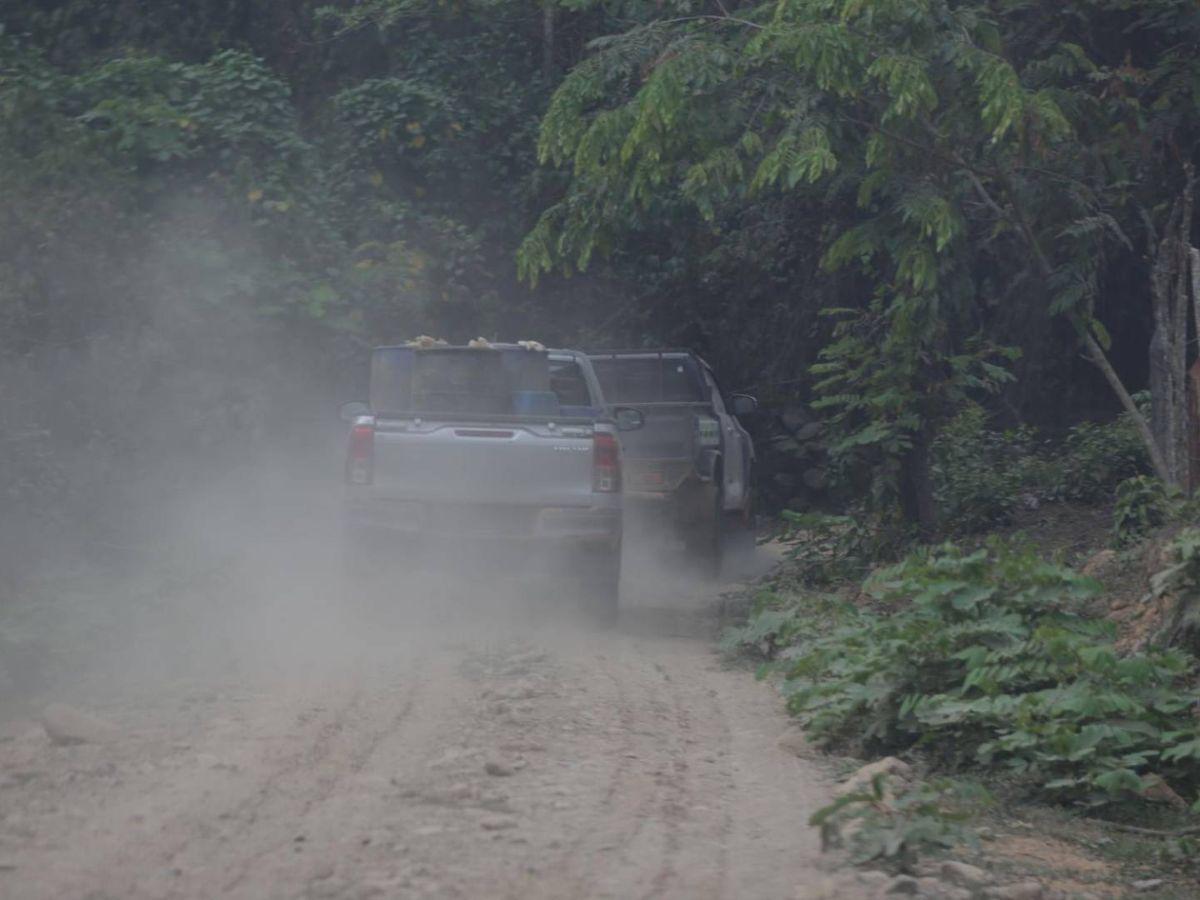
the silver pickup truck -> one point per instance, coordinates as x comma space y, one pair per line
692, 464
499, 452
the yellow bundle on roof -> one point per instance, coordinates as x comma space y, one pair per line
480, 343
424, 342
531, 345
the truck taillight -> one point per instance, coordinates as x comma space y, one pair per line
360, 460
708, 432
606, 463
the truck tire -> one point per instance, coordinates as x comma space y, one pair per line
600, 588
739, 542
703, 539
371, 567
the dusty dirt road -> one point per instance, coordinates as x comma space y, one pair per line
478, 759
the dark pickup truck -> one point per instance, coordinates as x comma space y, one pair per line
692, 461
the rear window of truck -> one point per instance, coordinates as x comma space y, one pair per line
642, 379
476, 382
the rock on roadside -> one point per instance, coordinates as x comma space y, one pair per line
1025, 890
895, 769
875, 885
1099, 564
499, 768
497, 823
795, 743
67, 725
964, 874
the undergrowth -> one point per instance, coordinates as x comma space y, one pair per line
1143, 504
877, 825
982, 476
982, 658
988, 661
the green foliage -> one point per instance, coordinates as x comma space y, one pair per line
146, 110
1099, 456
321, 175
966, 169
1143, 504
988, 658
885, 388
209, 211
826, 549
1179, 581
391, 117
780, 621
982, 475
897, 829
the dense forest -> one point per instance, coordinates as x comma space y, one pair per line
950, 245
878, 211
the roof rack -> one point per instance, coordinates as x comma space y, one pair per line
532, 346
651, 352
646, 351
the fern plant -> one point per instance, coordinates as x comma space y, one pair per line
896, 830
991, 660
1143, 503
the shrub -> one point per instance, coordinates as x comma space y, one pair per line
826, 549
1180, 580
878, 826
1098, 456
978, 473
981, 475
989, 660
1143, 503
778, 622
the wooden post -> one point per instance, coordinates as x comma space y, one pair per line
1193, 431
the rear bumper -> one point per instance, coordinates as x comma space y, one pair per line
690, 506
596, 526
655, 477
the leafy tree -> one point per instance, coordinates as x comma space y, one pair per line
968, 157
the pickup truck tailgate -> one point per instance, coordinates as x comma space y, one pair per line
667, 434
662, 453
463, 462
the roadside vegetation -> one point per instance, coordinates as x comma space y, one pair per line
1013, 663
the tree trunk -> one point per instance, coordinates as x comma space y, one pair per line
547, 37
1194, 379
916, 487
1170, 296
1194, 424
1158, 455
1096, 352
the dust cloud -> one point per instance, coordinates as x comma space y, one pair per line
200, 697
173, 484
240, 575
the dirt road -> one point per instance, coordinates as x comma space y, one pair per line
438, 761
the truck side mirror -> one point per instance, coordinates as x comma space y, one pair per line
628, 418
744, 405
348, 412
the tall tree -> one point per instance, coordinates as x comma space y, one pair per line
994, 154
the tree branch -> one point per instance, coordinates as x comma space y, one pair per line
1096, 353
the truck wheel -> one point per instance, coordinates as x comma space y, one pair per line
600, 588
703, 540
738, 543
371, 568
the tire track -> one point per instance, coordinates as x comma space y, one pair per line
342, 768
638, 770
629, 846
